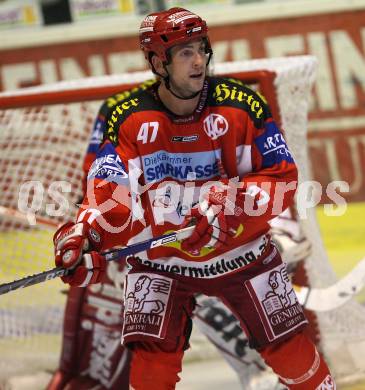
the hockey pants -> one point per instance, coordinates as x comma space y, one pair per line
295, 360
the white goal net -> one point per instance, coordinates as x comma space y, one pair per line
44, 133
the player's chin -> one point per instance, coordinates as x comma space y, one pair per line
197, 82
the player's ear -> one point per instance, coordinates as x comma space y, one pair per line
158, 65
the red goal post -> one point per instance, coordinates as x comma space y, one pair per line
264, 79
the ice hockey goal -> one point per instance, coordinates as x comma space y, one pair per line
44, 132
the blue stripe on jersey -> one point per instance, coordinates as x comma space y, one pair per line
108, 166
96, 136
272, 146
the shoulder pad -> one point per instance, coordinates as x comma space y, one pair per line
118, 116
111, 102
141, 100
233, 93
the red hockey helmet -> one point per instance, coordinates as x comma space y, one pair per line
160, 31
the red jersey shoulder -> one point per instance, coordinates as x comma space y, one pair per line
142, 100
111, 102
225, 92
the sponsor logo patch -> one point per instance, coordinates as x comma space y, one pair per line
180, 16
212, 268
224, 92
108, 166
193, 30
276, 302
147, 305
162, 164
272, 146
147, 23
185, 138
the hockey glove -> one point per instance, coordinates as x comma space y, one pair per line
76, 247
292, 248
216, 217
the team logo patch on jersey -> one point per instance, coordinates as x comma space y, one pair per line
215, 125
147, 304
276, 302
272, 146
185, 138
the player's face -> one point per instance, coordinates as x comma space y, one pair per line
187, 68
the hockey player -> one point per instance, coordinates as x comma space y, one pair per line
91, 354
165, 148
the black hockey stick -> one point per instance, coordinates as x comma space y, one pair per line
114, 254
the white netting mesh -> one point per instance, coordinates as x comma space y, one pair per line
41, 145
47, 144
342, 330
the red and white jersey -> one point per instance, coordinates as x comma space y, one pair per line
101, 120
155, 166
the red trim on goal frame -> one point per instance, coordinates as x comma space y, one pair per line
264, 79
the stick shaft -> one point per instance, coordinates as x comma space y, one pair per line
111, 255
33, 279
148, 244
335, 295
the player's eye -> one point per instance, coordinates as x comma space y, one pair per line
186, 53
